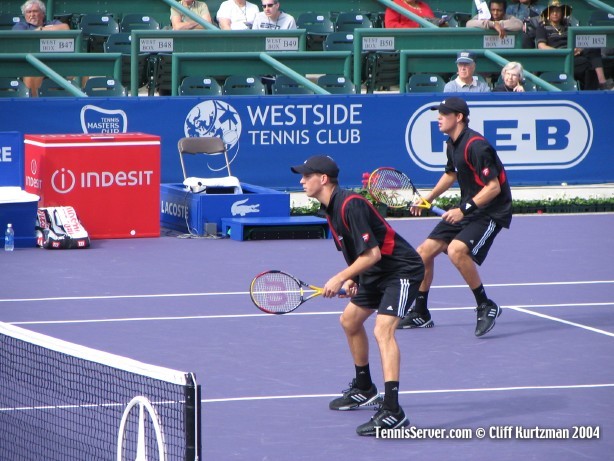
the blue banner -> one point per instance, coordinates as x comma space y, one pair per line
11, 159
542, 138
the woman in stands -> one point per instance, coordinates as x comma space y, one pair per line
393, 19
552, 33
512, 76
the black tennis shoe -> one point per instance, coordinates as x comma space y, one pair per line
416, 320
487, 315
354, 398
383, 419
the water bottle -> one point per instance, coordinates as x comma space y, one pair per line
9, 238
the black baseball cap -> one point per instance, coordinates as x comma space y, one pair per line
322, 164
453, 104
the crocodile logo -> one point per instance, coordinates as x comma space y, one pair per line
240, 208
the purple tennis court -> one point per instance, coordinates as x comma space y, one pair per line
267, 380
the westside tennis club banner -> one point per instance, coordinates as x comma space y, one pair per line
542, 138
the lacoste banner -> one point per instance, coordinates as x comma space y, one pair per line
542, 138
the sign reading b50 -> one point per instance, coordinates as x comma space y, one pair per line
526, 134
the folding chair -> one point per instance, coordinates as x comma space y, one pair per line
207, 146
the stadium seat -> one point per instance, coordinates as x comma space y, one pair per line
286, 85
50, 89
601, 18
121, 43
104, 86
317, 26
348, 21
199, 86
560, 80
339, 41
137, 21
8, 20
425, 83
13, 88
382, 70
336, 84
96, 29
243, 85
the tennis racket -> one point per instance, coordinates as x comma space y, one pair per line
276, 292
394, 188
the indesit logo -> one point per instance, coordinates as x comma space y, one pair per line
63, 181
528, 135
219, 119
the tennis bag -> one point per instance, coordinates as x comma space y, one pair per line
60, 228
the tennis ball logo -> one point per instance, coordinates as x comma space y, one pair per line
215, 118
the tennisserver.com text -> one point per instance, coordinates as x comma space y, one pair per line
493, 433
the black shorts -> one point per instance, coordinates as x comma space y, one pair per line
478, 234
391, 296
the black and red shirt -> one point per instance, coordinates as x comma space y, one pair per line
475, 163
357, 226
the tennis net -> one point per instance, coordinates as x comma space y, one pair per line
61, 401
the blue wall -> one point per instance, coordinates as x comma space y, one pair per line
543, 138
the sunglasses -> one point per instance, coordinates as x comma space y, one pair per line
268, 5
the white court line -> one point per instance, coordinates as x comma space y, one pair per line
426, 391
522, 309
242, 293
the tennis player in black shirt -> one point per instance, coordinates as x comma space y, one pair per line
383, 276
465, 233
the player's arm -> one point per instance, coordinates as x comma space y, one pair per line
481, 199
365, 260
445, 182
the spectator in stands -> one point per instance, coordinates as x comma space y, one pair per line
180, 21
552, 33
34, 13
524, 9
499, 20
512, 75
528, 12
273, 18
393, 19
236, 15
465, 81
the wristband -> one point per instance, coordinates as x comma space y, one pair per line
469, 207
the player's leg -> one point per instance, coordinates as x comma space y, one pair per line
398, 296
362, 391
470, 247
419, 316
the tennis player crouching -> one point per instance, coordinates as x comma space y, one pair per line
383, 274
465, 233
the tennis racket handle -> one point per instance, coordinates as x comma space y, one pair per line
342, 292
438, 211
